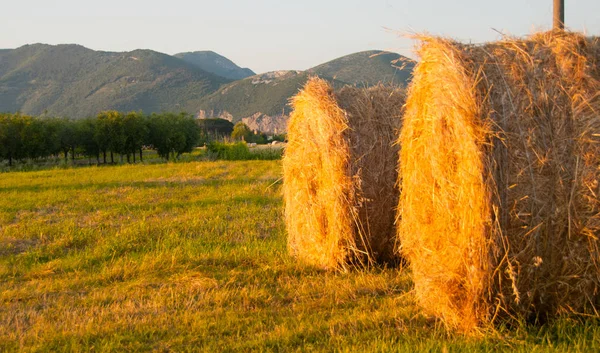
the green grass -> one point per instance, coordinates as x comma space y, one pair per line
218, 151
192, 257
239, 151
28, 165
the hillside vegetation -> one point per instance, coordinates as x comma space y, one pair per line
76, 82
269, 93
368, 68
212, 62
266, 93
70, 80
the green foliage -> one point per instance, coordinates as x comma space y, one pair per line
137, 133
173, 134
85, 134
25, 137
32, 138
239, 151
216, 128
64, 138
110, 123
229, 151
102, 134
11, 133
280, 137
258, 137
241, 132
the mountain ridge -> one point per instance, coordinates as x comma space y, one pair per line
72, 80
261, 101
367, 67
75, 81
210, 61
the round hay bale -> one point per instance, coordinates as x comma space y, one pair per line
340, 173
500, 164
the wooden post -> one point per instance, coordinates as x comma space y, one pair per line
559, 15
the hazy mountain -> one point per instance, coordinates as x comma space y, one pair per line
368, 67
266, 93
71, 80
215, 63
262, 100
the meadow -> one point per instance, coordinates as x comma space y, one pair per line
192, 257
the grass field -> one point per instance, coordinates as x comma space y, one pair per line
258, 152
192, 257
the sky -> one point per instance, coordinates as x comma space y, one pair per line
268, 35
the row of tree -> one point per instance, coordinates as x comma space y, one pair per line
110, 133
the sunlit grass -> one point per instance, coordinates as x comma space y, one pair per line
192, 256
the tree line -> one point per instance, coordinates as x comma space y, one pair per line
102, 137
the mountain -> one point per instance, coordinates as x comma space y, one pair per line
367, 67
71, 80
266, 93
261, 101
273, 124
215, 63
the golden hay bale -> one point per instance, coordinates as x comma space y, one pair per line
499, 165
340, 172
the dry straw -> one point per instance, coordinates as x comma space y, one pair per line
500, 166
340, 172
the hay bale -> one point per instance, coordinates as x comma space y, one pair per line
500, 165
340, 172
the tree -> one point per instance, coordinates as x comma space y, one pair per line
136, 131
24, 136
259, 138
117, 137
52, 127
215, 128
62, 136
241, 132
158, 131
280, 137
33, 138
20, 137
173, 134
102, 133
10, 137
85, 131
187, 124
109, 133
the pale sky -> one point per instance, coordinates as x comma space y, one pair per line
267, 35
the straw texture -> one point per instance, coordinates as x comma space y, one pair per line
340, 172
499, 211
